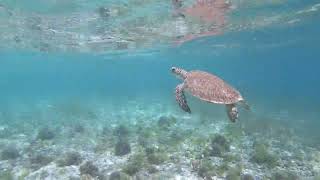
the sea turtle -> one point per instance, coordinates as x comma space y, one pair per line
209, 88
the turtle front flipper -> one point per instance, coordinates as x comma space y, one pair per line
232, 112
181, 98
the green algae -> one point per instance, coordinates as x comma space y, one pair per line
284, 175
90, 169
231, 158
218, 146
46, 133
157, 158
117, 175
206, 169
23, 174
70, 158
135, 163
234, 132
234, 173
247, 177
152, 169
9, 152
222, 168
122, 147
156, 155
165, 122
6, 175
121, 131
261, 155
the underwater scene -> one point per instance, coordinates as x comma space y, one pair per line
159, 90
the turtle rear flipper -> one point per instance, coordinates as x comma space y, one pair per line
232, 112
181, 98
245, 105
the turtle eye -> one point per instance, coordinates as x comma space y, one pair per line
173, 69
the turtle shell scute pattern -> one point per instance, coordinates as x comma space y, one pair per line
211, 88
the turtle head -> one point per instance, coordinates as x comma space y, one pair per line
180, 73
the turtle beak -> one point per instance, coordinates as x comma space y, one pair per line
173, 70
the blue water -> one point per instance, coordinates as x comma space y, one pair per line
276, 68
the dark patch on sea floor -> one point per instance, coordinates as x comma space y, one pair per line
148, 141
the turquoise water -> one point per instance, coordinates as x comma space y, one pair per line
66, 103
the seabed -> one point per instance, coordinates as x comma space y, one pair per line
147, 140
